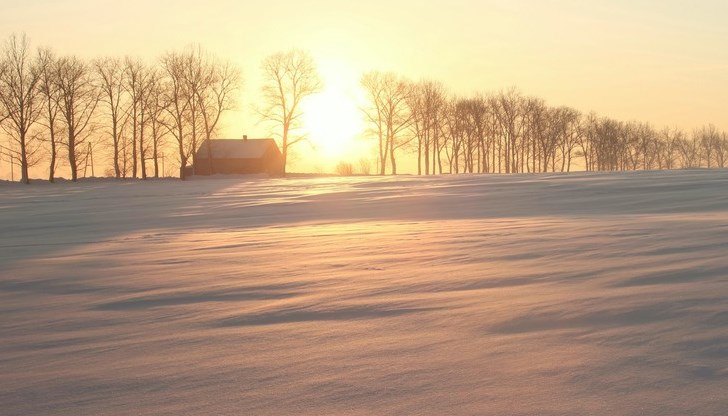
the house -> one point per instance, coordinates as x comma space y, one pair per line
238, 156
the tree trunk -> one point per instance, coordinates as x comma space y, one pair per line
284, 148
115, 128
23, 160
72, 159
156, 157
419, 156
194, 137
182, 173
52, 167
142, 153
427, 154
133, 142
182, 158
208, 146
391, 156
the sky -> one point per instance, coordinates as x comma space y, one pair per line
661, 62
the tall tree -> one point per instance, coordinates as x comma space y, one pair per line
288, 77
78, 97
215, 96
154, 107
176, 104
570, 131
374, 116
47, 63
669, 139
427, 101
454, 128
196, 78
475, 113
388, 114
112, 80
689, 151
136, 76
149, 75
709, 138
508, 110
20, 97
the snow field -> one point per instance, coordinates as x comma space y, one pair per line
600, 294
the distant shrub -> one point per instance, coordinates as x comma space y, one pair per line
365, 166
344, 169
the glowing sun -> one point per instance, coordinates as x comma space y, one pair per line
332, 121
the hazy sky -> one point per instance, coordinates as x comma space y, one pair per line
664, 62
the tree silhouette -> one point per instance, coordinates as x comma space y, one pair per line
78, 97
21, 100
47, 63
388, 114
177, 101
51, 106
112, 81
288, 78
214, 83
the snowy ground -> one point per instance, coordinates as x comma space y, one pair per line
581, 294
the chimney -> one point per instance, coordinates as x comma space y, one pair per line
245, 137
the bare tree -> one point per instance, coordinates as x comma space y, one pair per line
365, 166
374, 115
689, 150
137, 75
669, 141
507, 107
47, 63
709, 138
455, 128
720, 147
427, 102
196, 78
112, 80
571, 131
149, 86
176, 104
78, 97
154, 107
20, 97
213, 94
388, 114
540, 132
586, 142
288, 78
477, 127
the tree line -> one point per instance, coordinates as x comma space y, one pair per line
60, 109
508, 132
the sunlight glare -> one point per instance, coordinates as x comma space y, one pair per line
333, 120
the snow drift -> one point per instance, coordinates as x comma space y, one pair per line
600, 294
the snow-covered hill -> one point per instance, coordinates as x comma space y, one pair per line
598, 294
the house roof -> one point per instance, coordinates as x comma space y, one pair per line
237, 148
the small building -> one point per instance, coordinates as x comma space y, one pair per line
239, 156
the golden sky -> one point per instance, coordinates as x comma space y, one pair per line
664, 62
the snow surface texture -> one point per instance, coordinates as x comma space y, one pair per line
579, 294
